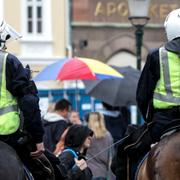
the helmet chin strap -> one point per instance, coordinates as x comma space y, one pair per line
2, 45
3, 42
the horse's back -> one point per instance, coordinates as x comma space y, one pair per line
163, 161
11, 167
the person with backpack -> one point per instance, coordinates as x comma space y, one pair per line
73, 165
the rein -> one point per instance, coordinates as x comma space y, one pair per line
107, 148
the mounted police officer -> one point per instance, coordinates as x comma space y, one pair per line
18, 94
158, 97
18, 98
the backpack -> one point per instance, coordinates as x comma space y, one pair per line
62, 169
71, 151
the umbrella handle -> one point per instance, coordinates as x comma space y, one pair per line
76, 96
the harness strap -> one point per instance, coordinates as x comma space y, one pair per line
140, 164
2, 55
8, 109
72, 152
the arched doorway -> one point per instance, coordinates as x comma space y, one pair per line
121, 51
122, 58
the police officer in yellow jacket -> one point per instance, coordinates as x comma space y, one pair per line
158, 93
17, 93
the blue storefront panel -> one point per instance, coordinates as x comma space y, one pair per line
81, 102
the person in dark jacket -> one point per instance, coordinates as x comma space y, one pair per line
157, 94
77, 141
55, 123
18, 93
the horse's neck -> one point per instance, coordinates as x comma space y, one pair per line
163, 161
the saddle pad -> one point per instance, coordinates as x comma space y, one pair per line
170, 131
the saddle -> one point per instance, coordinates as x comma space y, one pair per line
137, 135
41, 168
174, 126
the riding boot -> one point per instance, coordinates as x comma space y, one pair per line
122, 168
119, 162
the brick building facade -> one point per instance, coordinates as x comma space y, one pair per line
101, 30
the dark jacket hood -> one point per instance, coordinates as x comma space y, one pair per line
173, 46
76, 136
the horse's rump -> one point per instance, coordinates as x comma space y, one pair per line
163, 161
11, 167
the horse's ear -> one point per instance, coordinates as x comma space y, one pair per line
28, 71
27, 66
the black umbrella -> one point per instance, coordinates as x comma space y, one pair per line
116, 92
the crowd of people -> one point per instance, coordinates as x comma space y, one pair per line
84, 150
58, 143
90, 139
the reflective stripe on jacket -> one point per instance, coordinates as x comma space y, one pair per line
167, 91
9, 116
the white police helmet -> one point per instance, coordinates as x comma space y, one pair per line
7, 33
172, 25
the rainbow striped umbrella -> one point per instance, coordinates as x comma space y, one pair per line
77, 69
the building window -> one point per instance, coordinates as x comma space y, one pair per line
34, 17
36, 20
39, 19
29, 19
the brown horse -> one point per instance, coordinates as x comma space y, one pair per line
163, 161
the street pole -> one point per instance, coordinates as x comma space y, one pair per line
139, 39
139, 18
139, 32
69, 49
139, 36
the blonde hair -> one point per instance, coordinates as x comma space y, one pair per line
96, 124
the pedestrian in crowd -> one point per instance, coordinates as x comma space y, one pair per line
101, 141
55, 123
116, 120
74, 117
157, 96
77, 141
